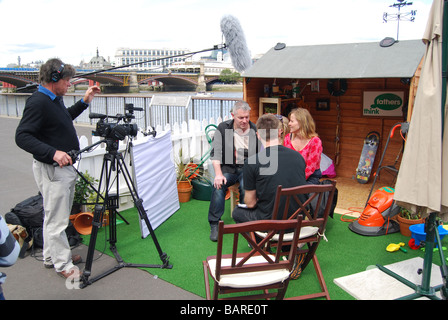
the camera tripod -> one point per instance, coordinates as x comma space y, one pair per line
114, 161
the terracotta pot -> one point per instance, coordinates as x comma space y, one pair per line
82, 222
184, 190
406, 223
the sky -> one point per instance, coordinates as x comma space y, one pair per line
74, 30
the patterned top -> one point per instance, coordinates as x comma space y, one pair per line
311, 153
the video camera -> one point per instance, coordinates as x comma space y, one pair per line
114, 130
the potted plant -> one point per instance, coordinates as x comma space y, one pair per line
83, 191
184, 172
406, 218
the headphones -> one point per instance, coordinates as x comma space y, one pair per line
57, 75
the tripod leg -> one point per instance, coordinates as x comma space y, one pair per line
163, 256
111, 205
139, 204
112, 200
96, 224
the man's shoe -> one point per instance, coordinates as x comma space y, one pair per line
76, 259
214, 232
71, 273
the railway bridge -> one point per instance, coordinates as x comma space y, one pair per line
119, 81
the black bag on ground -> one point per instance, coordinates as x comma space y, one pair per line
30, 214
30, 211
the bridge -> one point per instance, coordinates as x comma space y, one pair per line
119, 81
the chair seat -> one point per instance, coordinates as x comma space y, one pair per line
248, 279
305, 232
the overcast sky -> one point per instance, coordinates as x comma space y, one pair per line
73, 30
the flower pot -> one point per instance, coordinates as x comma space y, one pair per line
82, 222
406, 223
184, 190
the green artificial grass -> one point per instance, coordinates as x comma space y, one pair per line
185, 239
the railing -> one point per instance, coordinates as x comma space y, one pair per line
12, 104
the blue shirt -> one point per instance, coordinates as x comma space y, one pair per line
52, 95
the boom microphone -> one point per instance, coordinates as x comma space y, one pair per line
236, 43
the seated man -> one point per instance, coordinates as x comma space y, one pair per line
233, 141
262, 173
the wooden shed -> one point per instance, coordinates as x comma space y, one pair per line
349, 89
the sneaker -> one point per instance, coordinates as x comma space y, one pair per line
214, 232
76, 259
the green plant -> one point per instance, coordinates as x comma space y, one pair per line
180, 168
185, 171
407, 214
83, 189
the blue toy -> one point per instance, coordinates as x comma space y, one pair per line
418, 233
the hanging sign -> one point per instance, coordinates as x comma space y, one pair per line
383, 103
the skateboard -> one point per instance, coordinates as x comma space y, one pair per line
367, 157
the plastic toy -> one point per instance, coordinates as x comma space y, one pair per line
418, 232
395, 247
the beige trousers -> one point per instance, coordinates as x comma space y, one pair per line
57, 186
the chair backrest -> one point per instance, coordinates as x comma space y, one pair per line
308, 200
240, 262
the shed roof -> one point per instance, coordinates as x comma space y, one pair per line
346, 61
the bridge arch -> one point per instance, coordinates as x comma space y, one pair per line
15, 80
174, 82
211, 80
105, 78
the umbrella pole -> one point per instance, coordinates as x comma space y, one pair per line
444, 60
425, 290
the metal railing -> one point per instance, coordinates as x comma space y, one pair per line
199, 108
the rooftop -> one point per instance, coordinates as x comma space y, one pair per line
348, 61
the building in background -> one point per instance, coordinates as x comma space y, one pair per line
163, 58
96, 63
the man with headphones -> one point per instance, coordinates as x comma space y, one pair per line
46, 131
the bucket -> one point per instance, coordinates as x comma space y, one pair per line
202, 189
418, 233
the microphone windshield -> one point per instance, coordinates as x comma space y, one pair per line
236, 43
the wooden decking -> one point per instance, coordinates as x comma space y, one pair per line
352, 196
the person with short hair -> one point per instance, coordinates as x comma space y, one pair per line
46, 131
233, 141
262, 173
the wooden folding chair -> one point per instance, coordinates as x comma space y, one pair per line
255, 269
308, 199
